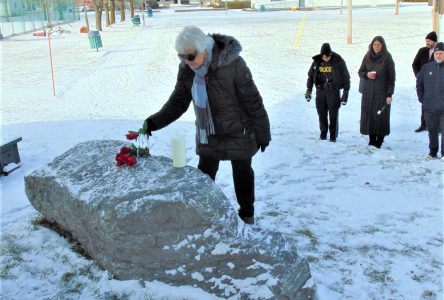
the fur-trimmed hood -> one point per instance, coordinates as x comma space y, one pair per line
226, 48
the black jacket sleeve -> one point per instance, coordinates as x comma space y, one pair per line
251, 101
391, 76
310, 81
420, 86
416, 65
178, 102
345, 74
362, 72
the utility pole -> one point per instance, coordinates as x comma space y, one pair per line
435, 16
349, 21
86, 16
396, 7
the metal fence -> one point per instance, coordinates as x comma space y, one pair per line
20, 16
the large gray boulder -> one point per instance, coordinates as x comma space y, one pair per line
156, 222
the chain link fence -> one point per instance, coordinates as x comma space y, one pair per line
20, 16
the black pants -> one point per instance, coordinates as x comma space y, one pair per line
243, 178
327, 105
423, 121
435, 124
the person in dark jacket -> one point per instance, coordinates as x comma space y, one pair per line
378, 72
430, 89
329, 74
231, 120
424, 55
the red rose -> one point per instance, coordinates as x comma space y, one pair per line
119, 160
131, 161
125, 149
132, 135
125, 156
128, 154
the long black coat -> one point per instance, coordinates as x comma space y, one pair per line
421, 58
239, 116
376, 92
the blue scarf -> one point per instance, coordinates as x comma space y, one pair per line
204, 121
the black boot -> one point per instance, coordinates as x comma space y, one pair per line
372, 140
379, 141
423, 127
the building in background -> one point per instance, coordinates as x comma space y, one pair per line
20, 16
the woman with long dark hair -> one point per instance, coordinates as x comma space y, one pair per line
377, 73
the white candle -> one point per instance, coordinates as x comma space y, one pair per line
178, 145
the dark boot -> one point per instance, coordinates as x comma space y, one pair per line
379, 141
246, 220
372, 140
423, 126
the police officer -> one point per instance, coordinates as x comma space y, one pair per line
329, 74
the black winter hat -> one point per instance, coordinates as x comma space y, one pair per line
432, 36
326, 49
439, 47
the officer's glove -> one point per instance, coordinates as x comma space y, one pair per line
344, 97
308, 95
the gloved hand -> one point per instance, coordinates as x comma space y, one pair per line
344, 97
147, 126
262, 146
308, 95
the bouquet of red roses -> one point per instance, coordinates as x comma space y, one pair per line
138, 148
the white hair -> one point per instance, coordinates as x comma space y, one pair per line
193, 37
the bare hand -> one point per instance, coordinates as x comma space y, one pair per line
388, 100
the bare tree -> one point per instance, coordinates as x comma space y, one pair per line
98, 4
131, 8
122, 10
112, 7
106, 4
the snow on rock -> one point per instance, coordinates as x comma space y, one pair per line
152, 220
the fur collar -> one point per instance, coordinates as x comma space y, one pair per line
227, 49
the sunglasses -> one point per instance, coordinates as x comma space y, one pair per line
188, 57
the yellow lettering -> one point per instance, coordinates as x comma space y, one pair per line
325, 69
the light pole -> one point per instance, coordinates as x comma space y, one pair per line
349, 21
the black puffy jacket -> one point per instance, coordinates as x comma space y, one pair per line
239, 116
341, 76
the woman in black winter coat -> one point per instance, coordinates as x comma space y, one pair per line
378, 73
231, 120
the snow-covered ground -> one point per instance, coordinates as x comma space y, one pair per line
370, 221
